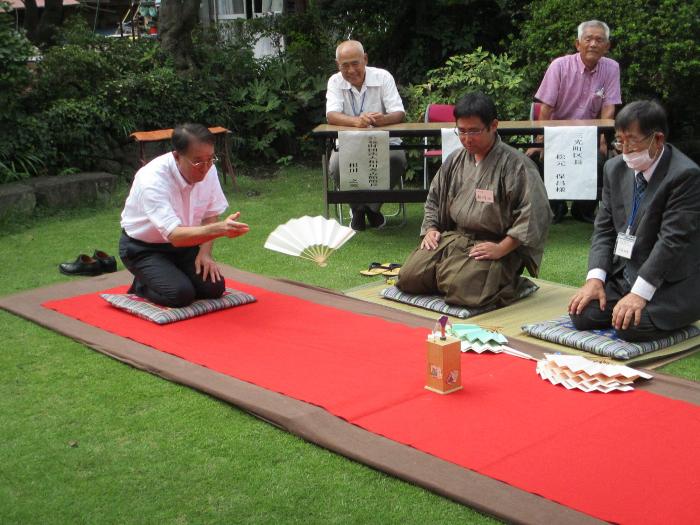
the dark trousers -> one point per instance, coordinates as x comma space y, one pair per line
593, 318
165, 274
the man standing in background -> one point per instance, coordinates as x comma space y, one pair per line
584, 85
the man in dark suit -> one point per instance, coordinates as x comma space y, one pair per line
644, 262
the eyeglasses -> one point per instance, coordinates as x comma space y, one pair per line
632, 145
469, 132
202, 163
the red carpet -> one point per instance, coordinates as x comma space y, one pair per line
626, 458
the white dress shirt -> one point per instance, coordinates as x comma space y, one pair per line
641, 287
161, 199
378, 94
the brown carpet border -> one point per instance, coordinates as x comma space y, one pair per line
310, 422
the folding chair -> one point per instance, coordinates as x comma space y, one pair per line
435, 113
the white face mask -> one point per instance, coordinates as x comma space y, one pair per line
638, 160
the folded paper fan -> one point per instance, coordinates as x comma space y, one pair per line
478, 339
573, 371
313, 238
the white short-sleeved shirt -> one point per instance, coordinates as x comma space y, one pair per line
378, 94
161, 199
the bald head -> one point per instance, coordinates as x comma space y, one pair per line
352, 61
349, 46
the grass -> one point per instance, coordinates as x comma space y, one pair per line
86, 439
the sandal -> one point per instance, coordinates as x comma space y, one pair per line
393, 270
376, 268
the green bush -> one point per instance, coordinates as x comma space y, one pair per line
89, 93
410, 38
20, 139
275, 110
494, 75
656, 43
76, 128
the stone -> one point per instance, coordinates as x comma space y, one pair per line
71, 191
16, 200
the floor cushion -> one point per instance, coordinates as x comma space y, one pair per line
436, 303
163, 315
602, 342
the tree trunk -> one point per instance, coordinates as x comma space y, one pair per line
177, 20
31, 19
41, 26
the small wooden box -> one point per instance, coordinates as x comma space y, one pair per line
444, 369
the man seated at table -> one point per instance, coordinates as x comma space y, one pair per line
486, 217
361, 96
584, 85
170, 221
644, 262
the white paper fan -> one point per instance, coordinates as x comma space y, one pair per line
578, 372
313, 238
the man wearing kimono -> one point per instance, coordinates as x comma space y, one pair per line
486, 218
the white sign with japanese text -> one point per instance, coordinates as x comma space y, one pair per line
450, 142
571, 162
363, 160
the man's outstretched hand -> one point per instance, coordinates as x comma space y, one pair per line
232, 228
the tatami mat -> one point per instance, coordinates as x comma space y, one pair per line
550, 301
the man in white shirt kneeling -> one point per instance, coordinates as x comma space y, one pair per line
170, 221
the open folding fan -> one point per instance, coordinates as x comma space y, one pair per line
574, 371
313, 238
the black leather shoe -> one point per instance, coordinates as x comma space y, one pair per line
375, 219
107, 262
584, 211
559, 209
358, 220
83, 265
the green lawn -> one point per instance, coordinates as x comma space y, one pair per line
86, 439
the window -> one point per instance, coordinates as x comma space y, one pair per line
265, 7
230, 9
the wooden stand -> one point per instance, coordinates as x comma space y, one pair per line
444, 369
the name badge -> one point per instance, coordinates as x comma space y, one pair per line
484, 195
624, 245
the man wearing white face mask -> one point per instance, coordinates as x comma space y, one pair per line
644, 262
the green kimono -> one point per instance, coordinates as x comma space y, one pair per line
469, 203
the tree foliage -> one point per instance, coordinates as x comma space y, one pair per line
410, 38
480, 70
20, 144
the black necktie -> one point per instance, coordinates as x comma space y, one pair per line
640, 185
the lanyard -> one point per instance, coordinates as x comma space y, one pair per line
362, 103
636, 201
